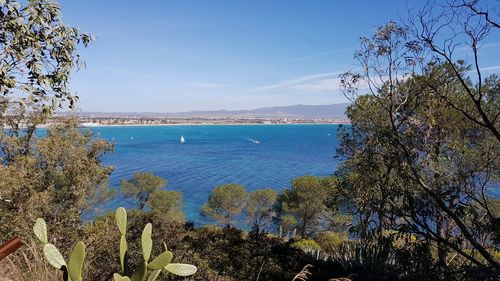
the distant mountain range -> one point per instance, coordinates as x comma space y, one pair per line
292, 111
295, 111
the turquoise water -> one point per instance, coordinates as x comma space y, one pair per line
256, 156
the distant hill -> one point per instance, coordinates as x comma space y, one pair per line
295, 111
331, 111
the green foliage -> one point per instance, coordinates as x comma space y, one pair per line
145, 188
142, 186
382, 259
306, 201
495, 253
73, 270
260, 208
39, 53
330, 240
306, 245
419, 154
287, 224
341, 222
494, 217
225, 203
410, 178
59, 178
166, 204
230, 254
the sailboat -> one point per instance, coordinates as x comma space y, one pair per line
182, 139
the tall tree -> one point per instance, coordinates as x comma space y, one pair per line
441, 29
59, 180
260, 209
37, 55
167, 204
38, 52
141, 187
414, 162
225, 203
306, 201
57, 176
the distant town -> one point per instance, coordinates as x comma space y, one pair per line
295, 114
130, 120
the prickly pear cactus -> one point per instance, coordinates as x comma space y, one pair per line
75, 264
118, 277
147, 242
161, 261
73, 269
121, 222
53, 256
40, 230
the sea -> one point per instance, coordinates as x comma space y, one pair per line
255, 156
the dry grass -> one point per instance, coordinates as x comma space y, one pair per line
303, 274
27, 263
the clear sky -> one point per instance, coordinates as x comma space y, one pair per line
170, 56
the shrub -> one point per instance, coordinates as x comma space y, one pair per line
329, 240
306, 245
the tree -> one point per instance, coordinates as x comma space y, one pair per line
306, 201
414, 161
225, 203
260, 209
287, 224
166, 204
441, 29
59, 176
38, 53
60, 179
141, 187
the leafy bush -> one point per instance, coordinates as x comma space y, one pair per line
234, 255
306, 245
328, 240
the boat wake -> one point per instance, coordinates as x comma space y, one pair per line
254, 141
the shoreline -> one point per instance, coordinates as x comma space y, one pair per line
95, 125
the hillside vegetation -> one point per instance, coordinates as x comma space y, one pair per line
411, 199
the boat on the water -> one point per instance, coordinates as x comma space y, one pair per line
182, 140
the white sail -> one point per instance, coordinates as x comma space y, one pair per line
182, 139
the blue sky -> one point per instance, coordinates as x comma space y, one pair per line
170, 56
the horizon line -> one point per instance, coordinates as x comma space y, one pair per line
200, 110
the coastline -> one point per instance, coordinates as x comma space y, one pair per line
95, 125
99, 125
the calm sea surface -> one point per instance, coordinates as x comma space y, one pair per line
256, 156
